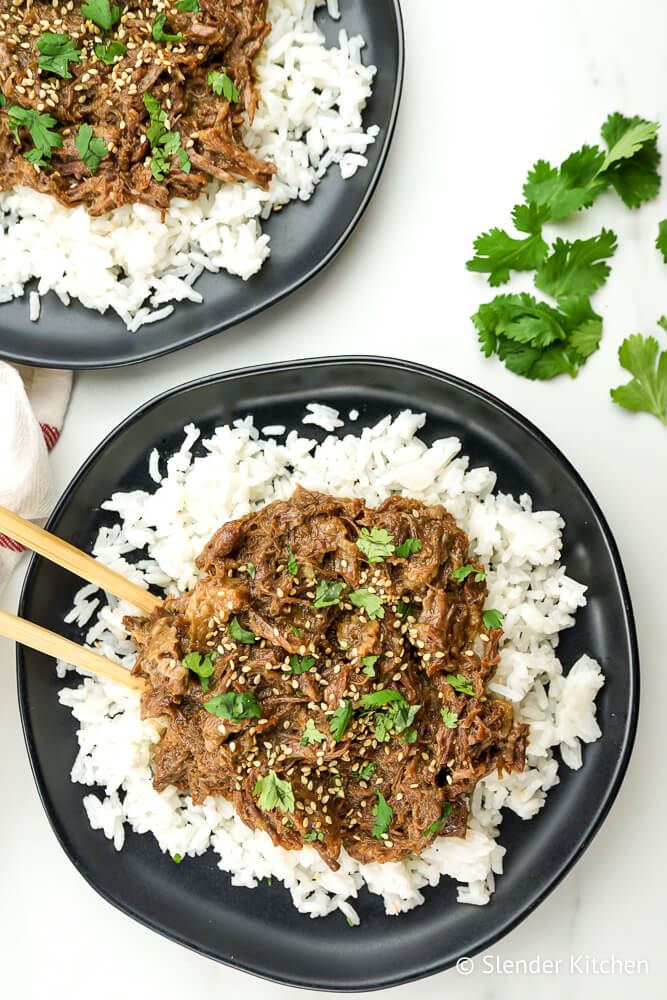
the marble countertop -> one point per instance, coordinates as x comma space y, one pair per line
508, 84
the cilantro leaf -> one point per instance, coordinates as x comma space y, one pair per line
240, 634
177, 858
312, 734
577, 268
92, 149
450, 719
223, 85
102, 13
272, 792
111, 52
235, 706
313, 835
379, 698
56, 51
383, 814
368, 602
439, 823
39, 128
647, 391
460, 684
164, 144
328, 593
631, 165
403, 610
410, 547
661, 239
368, 665
498, 253
568, 188
366, 772
493, 618
340, 719
251, 570
160, 35
462, 572
202, 666
292, 564
300, 664
188, 6
376, 544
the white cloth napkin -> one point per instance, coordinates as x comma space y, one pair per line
33, 402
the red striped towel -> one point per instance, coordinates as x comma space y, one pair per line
33, 403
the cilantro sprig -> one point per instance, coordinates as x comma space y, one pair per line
56, 52
376, 544
273, 792
91, 148
234, 706
164, 143
40, 130
383, 814
647, 390
222, 85
102, 13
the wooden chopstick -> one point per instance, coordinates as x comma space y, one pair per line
74, 560
29, 634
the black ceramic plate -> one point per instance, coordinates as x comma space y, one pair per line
259, 930
304, 238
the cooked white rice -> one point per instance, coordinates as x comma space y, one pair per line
240, 470
309, 118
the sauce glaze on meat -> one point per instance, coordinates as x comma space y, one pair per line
223, 33
432, 629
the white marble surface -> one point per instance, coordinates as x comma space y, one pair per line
506, 84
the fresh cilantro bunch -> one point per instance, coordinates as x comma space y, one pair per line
539, 339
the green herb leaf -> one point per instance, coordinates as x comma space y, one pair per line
577, 268
313, 835
379, 698
223, 85
661, 239
462, 572
631, 166
251, 570
647, 391
56, 51
272, 792
439, 823
3, 100
160, 35
328, 593
92, 149
370, 603
102, 13
164, 144
410, 547
492, 618
292, 564
312, 734
366, 772
568, 188
410, 736
111, 52
403, 610
300, 664
202, 666
234, 706
460, 684
296, 631
368, 665
39, 128
383, 814
340, 719
450, 719
240, 634
498, 253
177, 858
376, 544
188, 6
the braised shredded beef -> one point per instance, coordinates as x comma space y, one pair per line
263, 574
223, 34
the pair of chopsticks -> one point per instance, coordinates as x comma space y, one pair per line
84, 566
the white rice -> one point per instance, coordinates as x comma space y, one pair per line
238, 471
310, 118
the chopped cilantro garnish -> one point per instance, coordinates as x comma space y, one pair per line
383, 814
368, 602
410, 736
376, 544
300, 664
403, 610
223, 85
340, 719
235, 706
160, 35
437, 826
328, 593
188, 6
273, 792
492, 618
111, 52
164, 144
366, 772
91, 148
240, 634
312, 734
292, 564
313, 835
39, 127
56, 51
296, 631
202, 666
102, 13
410, 547
368, 665
450, 719
460, 684
251, 570
177, 858
379, 698
462, 572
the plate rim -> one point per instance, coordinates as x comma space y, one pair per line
624, 751
118, 361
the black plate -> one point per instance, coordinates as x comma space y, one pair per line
305, 237
259, 930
